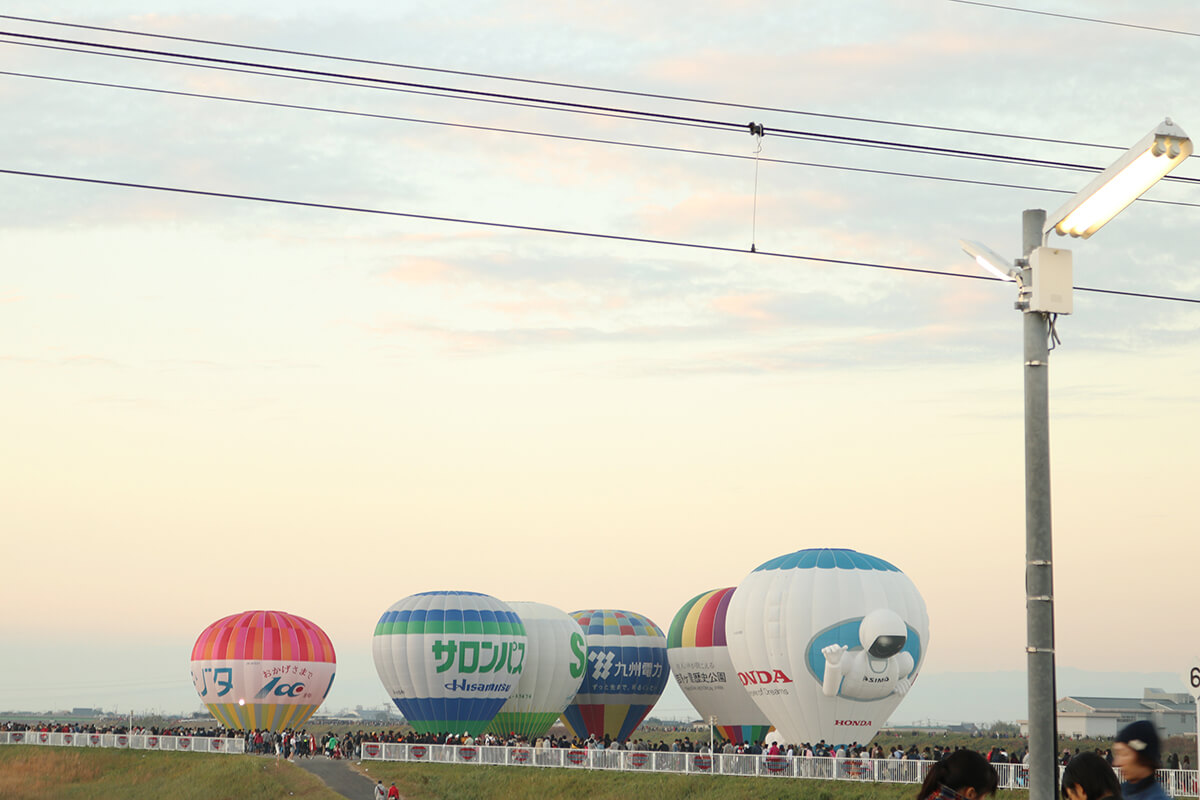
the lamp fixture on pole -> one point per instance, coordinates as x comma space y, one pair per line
1142, 166
1044, 278
989, 260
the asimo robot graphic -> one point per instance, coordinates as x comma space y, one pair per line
880, 668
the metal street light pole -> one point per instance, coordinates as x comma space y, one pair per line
1045, 291
1039, 582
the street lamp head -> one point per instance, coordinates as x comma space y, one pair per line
987, 258
1142, 166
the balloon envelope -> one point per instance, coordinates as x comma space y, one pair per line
555, 659
699, 656
266, 670
626, 674
449, 660
827, 642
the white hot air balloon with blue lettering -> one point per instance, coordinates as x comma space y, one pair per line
827, 642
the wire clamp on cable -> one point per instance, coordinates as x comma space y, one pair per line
758, 132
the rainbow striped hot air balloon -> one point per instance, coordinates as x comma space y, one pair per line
699, 658
266, 670
626, 673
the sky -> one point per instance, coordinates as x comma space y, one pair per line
217, 404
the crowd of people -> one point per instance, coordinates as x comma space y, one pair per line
302, 744
78, 727
968, 775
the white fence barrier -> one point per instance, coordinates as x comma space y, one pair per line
1178, 783
187, 744
853, 769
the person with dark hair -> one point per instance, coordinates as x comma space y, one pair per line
1089, 777
962, 775
1136, 753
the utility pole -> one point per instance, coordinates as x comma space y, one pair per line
1039, 572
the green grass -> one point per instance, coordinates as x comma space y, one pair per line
464, 782
67, 773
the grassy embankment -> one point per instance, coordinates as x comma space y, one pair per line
45, 773
40, 773
68, 773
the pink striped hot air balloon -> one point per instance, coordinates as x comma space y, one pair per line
266, 670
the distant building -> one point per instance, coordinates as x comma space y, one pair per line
1173, 714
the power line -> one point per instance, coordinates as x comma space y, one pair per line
558, 84
548, 104
326, 81
540, 134
368, 79
560, 137
548, 230
1077, 18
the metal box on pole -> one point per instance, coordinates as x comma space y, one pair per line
1052, 274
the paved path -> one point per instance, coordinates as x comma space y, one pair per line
339, 776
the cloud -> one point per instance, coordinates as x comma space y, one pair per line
422, 270
88, 361
744, 306
763, 333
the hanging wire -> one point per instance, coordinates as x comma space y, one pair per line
1053, 332
757, 131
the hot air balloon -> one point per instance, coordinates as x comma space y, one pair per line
699, 658
827, 642
266, 670
626, 674
555, 659
449, 660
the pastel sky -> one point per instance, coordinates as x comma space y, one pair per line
214, 405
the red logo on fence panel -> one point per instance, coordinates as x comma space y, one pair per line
372, 750
576, 756
639, 759
520, 755
67, 738
776, 764
183, 743
95, 739
152, 741
44, 736
18, 737
216, 744
122, 741
702, 762
418, 752
467, 753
